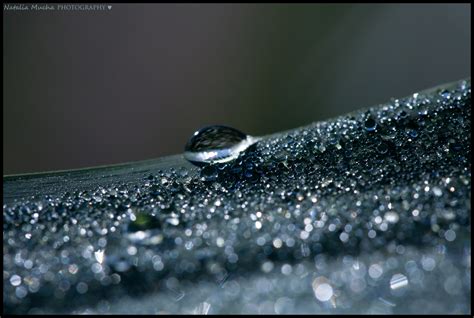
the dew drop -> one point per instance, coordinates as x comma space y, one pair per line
209, 173
398, 281
382, 148
322, 289
446, 94
15, 280
323, 292
370, 124
216, 144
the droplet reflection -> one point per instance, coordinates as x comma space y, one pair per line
216, 144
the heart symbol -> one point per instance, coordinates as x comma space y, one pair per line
110, 7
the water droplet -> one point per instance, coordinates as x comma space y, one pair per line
398, 281
389, 133
450, 235
209, 173
322, 289
21, 292
15, 280
446, 94
370, 124
375, 271
382, 148
216, 144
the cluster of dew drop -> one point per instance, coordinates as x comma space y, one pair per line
387, 180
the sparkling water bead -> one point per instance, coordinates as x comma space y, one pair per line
216, 144
370, 124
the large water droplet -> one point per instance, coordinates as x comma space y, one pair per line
216, 144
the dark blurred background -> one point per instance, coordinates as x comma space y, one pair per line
86, 88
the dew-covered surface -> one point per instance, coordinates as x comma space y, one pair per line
365, 213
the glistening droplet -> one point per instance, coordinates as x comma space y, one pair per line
398, 281
216, 144
370, 124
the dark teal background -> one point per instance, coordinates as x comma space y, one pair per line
132, 83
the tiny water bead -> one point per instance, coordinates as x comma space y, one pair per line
370, 124
209, 173
216, 144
